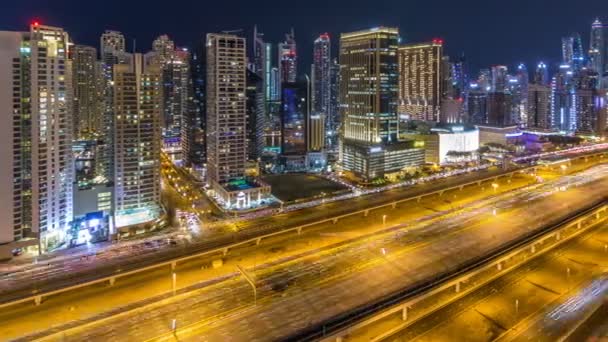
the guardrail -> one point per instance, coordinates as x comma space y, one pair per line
339, 326
38, 297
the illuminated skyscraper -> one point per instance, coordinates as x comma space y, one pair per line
88, 92
572, 51
539, 106
321, 93
36, 132
321, 75
112, 49
421, 81
288, 59
256, 115
333, 121
499, 79
295, 109
137, 106
226, 108
112, 43
541, 74
597, 51
174, 64
164, 49
477, 105
227, 123
369, 145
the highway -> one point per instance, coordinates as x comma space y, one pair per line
306, 291
281, 247
538, 301
94, 261
20, 278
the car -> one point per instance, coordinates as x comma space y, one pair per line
17, 251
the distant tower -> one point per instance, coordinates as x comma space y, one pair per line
112, 48
597, 52
288, 59
499, 78
321, 84
539, 106
572, 51
541, 74
174, 64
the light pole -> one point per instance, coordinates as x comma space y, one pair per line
563, 167
384, 220
251, 282
494, 186
174, 282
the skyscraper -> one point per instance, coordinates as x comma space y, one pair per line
572, 51
112, 43
174, 64
137, 106
226, 123
88, 92
295, 109
321, 75
163, 48
369, 146
541, 74
333, 120
193, 134
539, 106
321, 94
563, 117
518, 85
256, 115
499, 78
421, 81
36, 133
477, 105
597, 51
112, 49
226, 108
288, 59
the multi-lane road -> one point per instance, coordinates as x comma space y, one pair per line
271, 250
302, 292
22, 277
94, 261
542, 300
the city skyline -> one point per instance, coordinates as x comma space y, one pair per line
502, 44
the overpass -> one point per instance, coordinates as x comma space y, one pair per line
406, 304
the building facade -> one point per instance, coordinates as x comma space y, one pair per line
539, 106
138, 108
368, 103
288, 59
36, 198
88, 92
421, 80
321, 92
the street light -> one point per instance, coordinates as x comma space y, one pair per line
563, 167
494, 186
174, 282
383, 220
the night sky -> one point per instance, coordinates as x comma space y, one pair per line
487, 31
